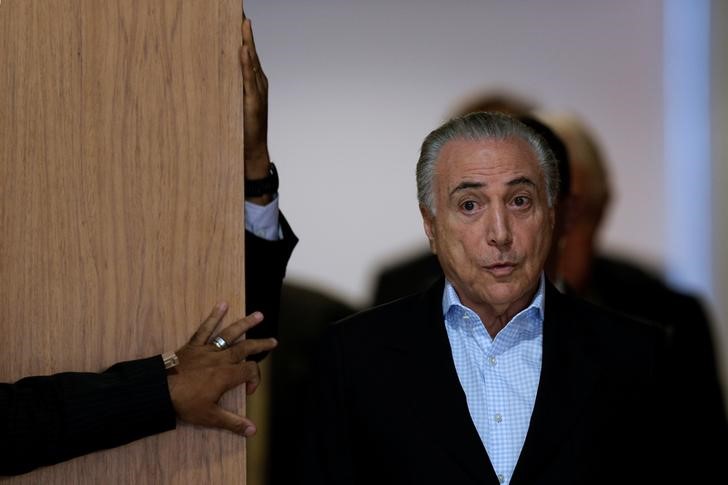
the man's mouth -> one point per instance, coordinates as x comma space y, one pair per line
500, 269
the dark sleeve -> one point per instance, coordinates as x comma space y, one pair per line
696, 393
694, 346
49, 419
265, 267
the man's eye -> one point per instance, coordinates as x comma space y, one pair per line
520, 201
468, 206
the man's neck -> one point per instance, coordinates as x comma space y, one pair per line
495, 318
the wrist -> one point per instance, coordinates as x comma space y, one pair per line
260, 200
261, 190
257, 165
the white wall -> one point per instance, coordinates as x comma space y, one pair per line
356, 86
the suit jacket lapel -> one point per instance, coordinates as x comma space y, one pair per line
567, 378
437, 394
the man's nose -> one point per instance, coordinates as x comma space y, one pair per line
499, 228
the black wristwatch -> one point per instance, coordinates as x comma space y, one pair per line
267, 185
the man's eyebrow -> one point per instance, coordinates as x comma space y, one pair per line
467, 185
478, 185
522, 181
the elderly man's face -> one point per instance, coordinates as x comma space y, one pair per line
492, 227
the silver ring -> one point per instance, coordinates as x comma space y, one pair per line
220, 343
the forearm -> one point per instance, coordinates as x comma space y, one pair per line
50, 419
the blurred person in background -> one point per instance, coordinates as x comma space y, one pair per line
622, 284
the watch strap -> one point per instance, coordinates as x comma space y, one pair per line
266, 185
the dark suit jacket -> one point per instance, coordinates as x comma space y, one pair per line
626, 287
389, 407
48, 419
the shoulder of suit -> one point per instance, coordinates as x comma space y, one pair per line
600, 319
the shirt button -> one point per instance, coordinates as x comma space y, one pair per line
491, 360
501, 478
466, 316
498, 418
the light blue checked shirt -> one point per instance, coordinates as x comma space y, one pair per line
499, 376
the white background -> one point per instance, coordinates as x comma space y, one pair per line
356, 85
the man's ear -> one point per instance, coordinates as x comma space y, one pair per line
428, 220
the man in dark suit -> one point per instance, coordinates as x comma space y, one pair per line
48, 419
492, 375
578, 266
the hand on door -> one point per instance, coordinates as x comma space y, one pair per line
207, 369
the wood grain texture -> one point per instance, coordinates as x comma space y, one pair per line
121, 205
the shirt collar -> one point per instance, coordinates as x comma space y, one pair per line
451, 300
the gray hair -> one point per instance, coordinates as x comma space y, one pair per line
482, 126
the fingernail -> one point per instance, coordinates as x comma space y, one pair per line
249, 431
222, 306
258, 316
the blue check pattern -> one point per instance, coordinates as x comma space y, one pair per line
499, 376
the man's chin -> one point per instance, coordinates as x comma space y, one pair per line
502, 293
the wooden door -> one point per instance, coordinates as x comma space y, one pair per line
121, 210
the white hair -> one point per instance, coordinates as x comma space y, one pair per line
482, 126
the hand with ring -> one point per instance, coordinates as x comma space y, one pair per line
208, 369
220, 343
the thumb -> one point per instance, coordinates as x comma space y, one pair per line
237, 424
